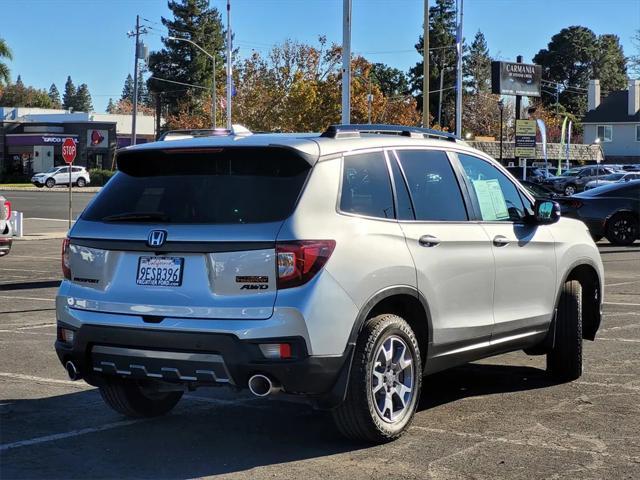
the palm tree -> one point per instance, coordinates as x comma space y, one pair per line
5, 52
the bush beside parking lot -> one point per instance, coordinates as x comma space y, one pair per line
100, 177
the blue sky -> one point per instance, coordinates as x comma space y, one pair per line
87, 39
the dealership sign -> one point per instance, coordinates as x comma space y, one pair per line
509, 78
525, 138
22, 139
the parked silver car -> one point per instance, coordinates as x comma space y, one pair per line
6, 232
60, 176
339, 268
616, 177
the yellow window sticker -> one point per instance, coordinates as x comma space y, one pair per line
491, 199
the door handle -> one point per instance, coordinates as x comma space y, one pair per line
428, 241
500, 241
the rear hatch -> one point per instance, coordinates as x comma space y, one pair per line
185, 232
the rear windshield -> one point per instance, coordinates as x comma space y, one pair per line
212, 186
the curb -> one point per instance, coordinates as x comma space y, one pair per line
44, 189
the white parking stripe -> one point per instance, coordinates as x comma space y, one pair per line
48, 219
621, 283
72, 433
54, 381
44, 325
28, 298
33, 257
626, 304
24, 270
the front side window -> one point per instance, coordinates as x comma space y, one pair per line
637, 133
605, 133
366, 186
497, 197
433, 186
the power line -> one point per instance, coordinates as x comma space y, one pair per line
178, 83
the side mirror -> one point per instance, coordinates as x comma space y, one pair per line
546, 211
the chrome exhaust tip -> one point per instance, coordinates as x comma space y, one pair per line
262, 386
72, 371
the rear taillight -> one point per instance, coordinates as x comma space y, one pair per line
66, 268
575, 204
299, 261
6, 210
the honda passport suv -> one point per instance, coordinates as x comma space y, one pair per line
339, 268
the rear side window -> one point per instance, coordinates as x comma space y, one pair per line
366, 186
210, 186
434, 189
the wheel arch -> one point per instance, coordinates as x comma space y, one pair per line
587, 275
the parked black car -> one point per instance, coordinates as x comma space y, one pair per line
534, 174
573, 180
539, 191
611, 211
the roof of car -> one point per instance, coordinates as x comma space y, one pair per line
311, 144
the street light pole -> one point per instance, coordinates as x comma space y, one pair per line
213, 88
229, 79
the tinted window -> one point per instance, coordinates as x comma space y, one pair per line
241, 185
498, 198
405, 209
366, 187
432, 184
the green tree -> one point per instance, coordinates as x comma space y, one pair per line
127, 90
476, 66
5, 53
442, 41
390, 80
82, 99
19, 95
54, 95
569, 60
181, 61
610, 65
111, 107
69, 96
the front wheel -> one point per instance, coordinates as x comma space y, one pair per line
384, 382
135, 400
622, 229
50, 183
564, 361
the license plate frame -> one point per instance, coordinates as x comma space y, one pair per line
164, 278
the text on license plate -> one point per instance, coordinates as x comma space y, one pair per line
160, 271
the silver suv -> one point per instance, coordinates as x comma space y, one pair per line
338, 268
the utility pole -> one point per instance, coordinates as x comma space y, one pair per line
346, 62
229, 78
214, 107
459, 71
442, 67
135, 81
518, 108
425, 69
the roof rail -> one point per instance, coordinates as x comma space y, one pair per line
354, 130
237, 130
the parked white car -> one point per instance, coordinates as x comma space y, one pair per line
618, 177
60, 176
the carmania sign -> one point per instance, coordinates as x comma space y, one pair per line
510, 78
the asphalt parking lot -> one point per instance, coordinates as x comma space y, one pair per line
499, 418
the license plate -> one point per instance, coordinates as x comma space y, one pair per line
160, 271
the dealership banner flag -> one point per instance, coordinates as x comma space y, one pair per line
568, 144
562, 144
543, 135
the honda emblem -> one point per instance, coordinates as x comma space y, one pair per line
156, 238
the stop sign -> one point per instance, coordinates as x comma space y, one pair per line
69, 150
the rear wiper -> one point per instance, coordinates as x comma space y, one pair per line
137, 217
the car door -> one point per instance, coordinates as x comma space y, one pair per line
62, 175
453, 257
525, 274
75, 174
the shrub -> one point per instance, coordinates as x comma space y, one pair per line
100, 177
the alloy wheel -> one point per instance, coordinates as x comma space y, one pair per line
624, 229
392, 379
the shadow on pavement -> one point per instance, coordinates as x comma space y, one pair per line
29, 285
200, 438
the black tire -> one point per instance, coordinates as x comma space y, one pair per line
130, 399
564, 361
622, 229
81, 182
50, 183
596, 238
39, 185
570, 190
357, 417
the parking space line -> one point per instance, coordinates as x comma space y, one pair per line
55, 381
630, 340
33, 257
72, 433
621, 283
24, 270
28, 298
43, 325
625, 304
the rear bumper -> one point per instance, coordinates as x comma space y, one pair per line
200, 359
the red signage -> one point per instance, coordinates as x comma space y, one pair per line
69, 150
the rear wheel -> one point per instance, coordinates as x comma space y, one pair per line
564, 361
622, 229
384, 383
81, 182
569, 190
134, 400
50, 183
